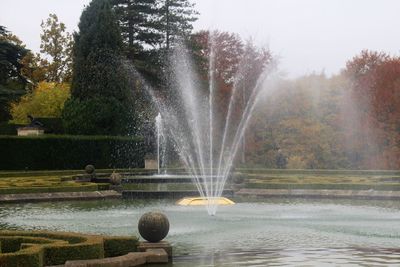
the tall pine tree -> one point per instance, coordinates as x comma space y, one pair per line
101, 100
176, 18
140, 28
138, 22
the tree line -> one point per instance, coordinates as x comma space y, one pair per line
349, 120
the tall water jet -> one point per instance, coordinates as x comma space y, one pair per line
206, 146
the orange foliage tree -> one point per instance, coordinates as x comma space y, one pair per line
375, 79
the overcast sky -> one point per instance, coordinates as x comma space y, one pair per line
306, 35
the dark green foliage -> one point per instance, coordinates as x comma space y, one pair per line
104, 116
176, 17
10, 56
12, 83
139, 25
100, 75
117, 246
101, 100
9, 128
52, 125
69, 152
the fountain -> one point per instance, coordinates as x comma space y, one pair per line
206, 144
159, 136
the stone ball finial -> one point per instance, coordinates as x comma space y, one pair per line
153, 226
89, 169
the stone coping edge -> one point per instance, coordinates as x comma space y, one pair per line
154, 254
58, 196
320, 193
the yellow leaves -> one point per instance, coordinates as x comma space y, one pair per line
46, 100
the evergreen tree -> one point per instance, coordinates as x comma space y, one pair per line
138, 22
140, 28
12, 82
176, 18
101, 100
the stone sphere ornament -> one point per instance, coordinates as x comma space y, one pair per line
89, 169
153, 226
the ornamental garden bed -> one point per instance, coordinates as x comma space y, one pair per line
44, 248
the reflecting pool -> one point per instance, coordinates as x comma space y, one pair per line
273, 232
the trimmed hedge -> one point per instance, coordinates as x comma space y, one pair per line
116, 246
52, 125
316, 171
81, 188
377, 187
52, 152
43, 248
9, 128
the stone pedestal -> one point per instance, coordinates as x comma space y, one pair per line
150, 164
29, 131
146, 246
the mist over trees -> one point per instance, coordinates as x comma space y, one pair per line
349, 120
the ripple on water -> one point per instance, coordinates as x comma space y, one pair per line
273, 233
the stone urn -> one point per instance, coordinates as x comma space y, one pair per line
153, 226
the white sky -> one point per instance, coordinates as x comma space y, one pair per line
307, 35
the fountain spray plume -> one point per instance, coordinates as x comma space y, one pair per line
189, 119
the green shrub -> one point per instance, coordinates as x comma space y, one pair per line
50, 189
117, 246
51, 152
9, 128
43, 248
31, 256
328, 186
95, 116
52, 125
92, 248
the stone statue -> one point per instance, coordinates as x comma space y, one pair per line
34, 122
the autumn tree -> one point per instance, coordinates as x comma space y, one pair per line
375, 89
56, 43
46, 100
233, 66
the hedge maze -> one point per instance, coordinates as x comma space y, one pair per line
44, 248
